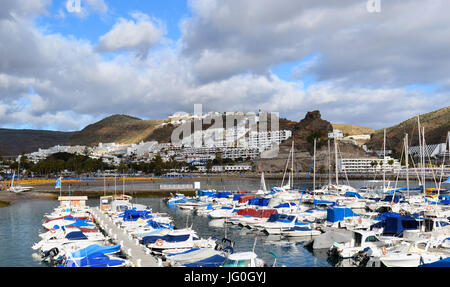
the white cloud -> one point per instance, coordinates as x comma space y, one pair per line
138, 35
224, 62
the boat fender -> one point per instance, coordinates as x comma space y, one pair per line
384, 250
159, 242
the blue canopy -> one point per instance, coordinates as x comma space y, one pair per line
280, 218
331, 203
95, 248
166, 238
133, 214
395, 198
259, 201
339, 214
355, 194
440, 263
213, 261
286, 204
397, 224
76, 235
94, 260
448, 180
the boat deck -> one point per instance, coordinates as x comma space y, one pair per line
136, 253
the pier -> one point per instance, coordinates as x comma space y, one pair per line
138, 254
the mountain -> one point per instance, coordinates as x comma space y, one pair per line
15, 142
436, 124
117, 128
303, 134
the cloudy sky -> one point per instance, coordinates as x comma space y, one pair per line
63, 66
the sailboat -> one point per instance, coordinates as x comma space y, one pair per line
263, 188
335, 188
18, 188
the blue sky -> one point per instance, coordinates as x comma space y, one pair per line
62, 70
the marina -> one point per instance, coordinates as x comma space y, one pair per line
246, 227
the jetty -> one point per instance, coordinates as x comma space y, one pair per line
138, 254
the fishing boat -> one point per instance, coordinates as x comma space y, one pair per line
300, 231
244, 259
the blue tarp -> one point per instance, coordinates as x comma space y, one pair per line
166, 238
331, 203
397, 224
355, 194
95, 260
440, 263
259, 201
285, 205
159, 225
133, 214
280, 217
95, 248
213, 261
396, 198
76, 235
339, 214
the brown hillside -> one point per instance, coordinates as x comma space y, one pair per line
436, 124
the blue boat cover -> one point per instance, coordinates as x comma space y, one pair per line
184, 252
397, 224
213, 261
395, 198
339, 214
355, 194
95, 248
76, 235
166, 238
133, 214
440, 263
286, 204
95, 260
280, 218
259, 201
331, 203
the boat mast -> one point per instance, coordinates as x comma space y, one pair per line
384, 159
420, 146
336, 159
314, 170
292, 166
406, 163
329, 164
423, 159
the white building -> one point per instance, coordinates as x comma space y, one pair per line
365, 165
434, 150
336, 134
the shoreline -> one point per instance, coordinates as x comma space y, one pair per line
45, 189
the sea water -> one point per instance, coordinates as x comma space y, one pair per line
21, 223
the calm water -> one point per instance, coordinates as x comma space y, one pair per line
21, 223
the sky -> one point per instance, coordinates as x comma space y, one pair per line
69, 63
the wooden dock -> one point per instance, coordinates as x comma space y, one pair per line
138, 254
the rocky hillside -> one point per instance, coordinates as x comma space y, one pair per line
436, 124
117, 128
15, 142
303, 134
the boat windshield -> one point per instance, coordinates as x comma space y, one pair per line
236, 263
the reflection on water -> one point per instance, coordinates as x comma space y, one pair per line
20, 225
